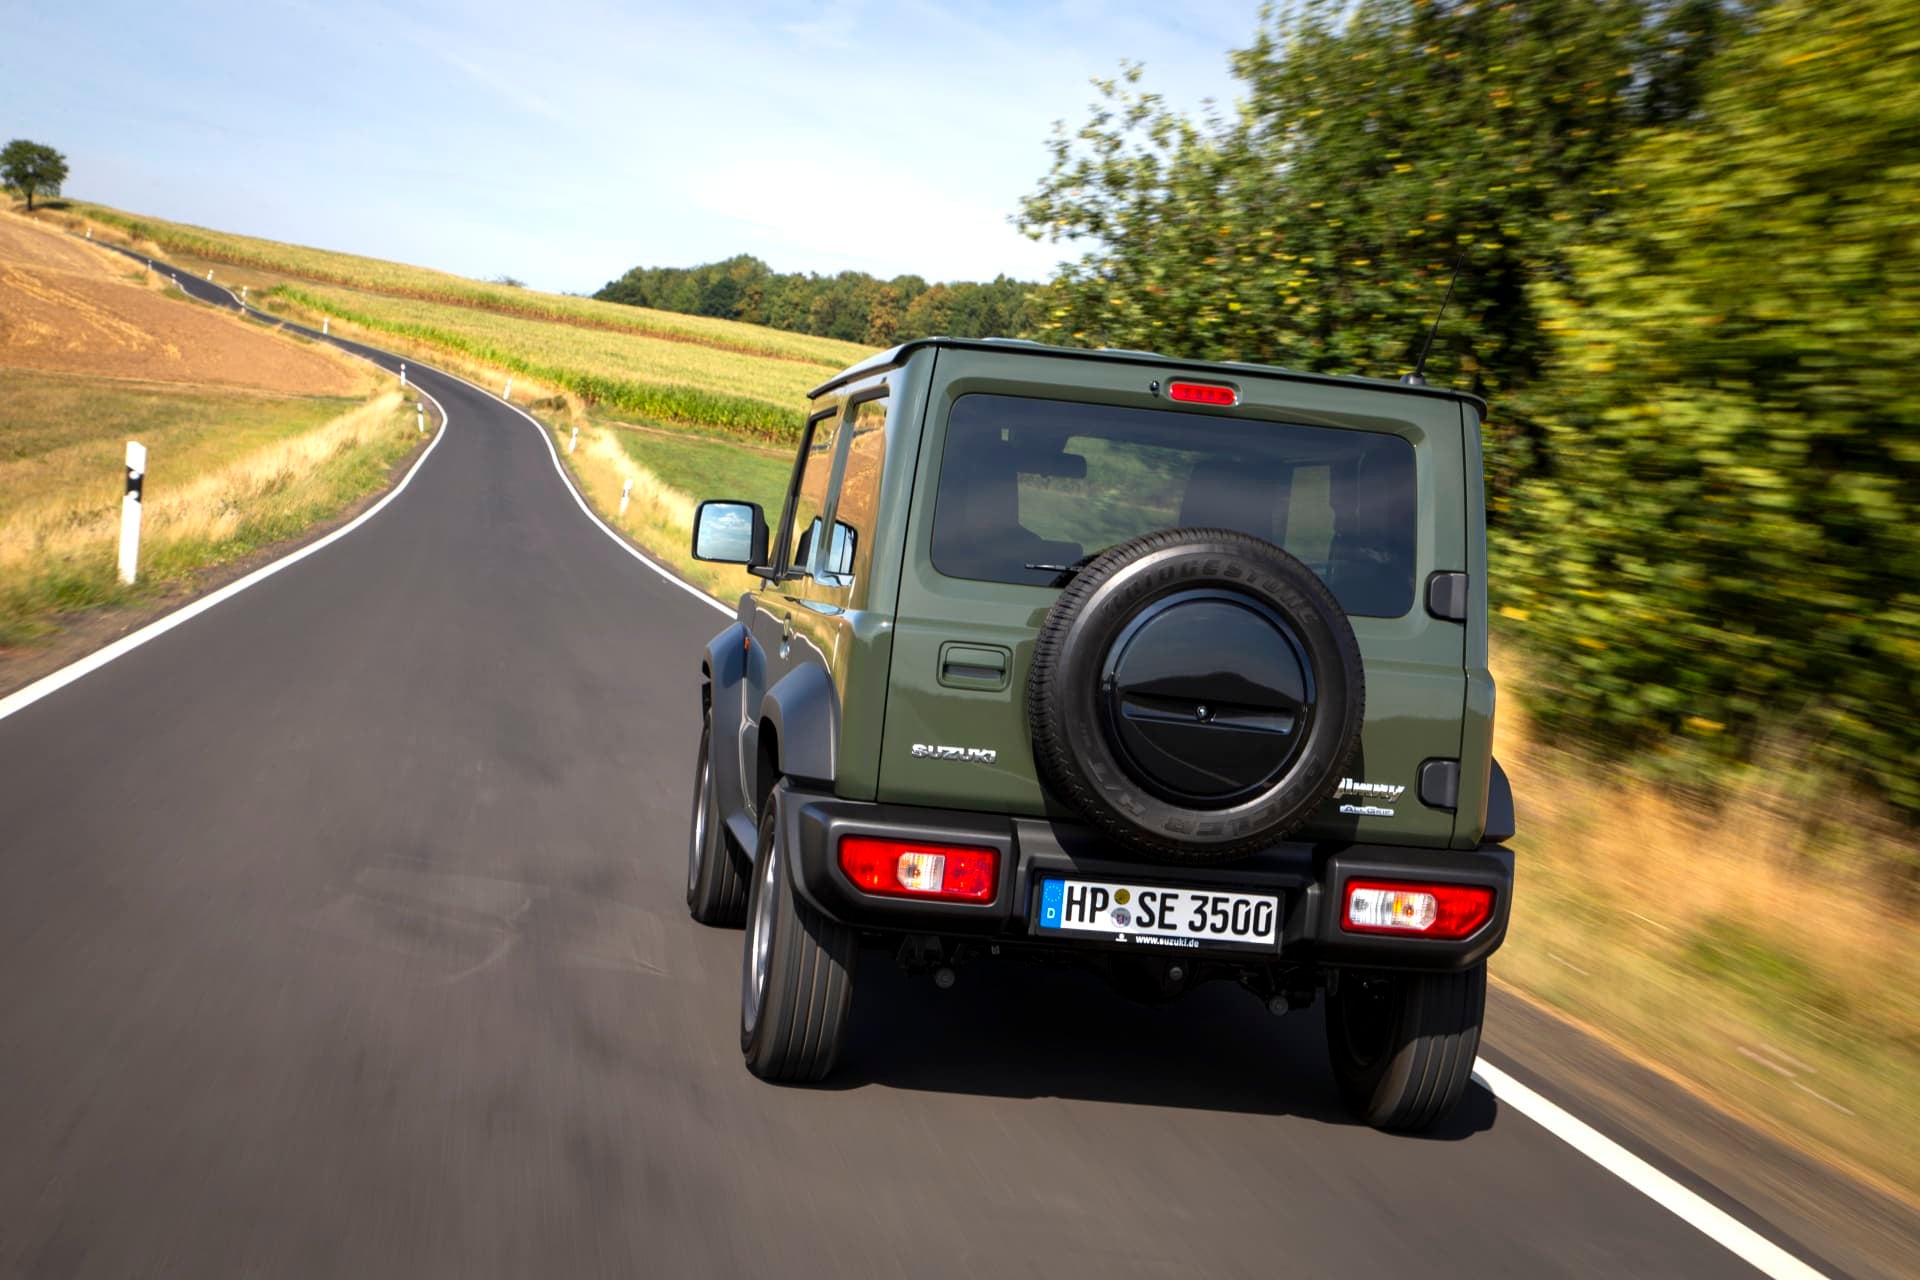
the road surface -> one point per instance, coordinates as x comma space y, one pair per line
342, 933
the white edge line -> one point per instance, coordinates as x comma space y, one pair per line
21, 699
573, 489
558, 467
1714, 1223
552, 452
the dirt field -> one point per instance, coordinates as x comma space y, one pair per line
68, 307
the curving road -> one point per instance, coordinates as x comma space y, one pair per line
341, 933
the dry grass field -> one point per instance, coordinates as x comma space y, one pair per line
265, 263
70, 307
251, 435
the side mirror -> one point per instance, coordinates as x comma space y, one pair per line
729, 532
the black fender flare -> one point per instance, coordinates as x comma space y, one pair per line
723, 668
803, 709
1499, 828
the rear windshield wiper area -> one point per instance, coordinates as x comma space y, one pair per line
1065, 573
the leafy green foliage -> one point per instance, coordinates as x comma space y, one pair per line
1725, 549
1378, 145
32, 168
852, 306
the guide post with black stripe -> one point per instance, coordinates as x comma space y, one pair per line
130, 511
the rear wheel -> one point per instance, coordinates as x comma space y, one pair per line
796, 982
716, 891
1403, 1045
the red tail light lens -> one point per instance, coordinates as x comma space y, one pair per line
1424, 910
911, 869
1203, 393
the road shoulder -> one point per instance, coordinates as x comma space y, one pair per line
1814, 1210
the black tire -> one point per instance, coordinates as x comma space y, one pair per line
716, 891
1284, 751
1403, 1045
792, 1029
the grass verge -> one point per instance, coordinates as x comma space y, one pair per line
659, 514
1759, 961
229, 473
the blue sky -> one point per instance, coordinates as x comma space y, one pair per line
567, 140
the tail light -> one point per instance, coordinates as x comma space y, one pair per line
1426, 910
912, 869
1203, 393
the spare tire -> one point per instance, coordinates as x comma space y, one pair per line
1195, 693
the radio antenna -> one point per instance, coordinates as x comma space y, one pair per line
1418, 378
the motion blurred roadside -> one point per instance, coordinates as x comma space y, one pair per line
1690, 287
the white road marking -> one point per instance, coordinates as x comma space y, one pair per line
1714, 1223
21, 699
619, 541
566, 479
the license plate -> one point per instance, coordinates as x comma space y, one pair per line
1157, 916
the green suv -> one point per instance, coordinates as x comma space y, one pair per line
1174, 669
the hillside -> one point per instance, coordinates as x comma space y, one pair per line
252, 436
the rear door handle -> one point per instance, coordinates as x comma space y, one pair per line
975, 666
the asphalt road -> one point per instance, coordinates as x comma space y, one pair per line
342, 933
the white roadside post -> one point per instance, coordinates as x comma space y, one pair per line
209, 273
574, 440
130, 511
89, 233
403, 373
626, 491
420, 416
508, 393
324, 322
243, 296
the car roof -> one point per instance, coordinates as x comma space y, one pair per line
895, 356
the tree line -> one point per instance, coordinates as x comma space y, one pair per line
851, 305
1689, 255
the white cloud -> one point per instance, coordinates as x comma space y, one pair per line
890, 222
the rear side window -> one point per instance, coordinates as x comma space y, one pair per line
810, 489
1031, 487
853, 509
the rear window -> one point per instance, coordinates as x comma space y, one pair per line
1029, 488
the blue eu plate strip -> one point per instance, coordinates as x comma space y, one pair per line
1052, 896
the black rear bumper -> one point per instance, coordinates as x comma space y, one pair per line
1310, 880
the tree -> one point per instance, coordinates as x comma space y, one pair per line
32, 168
1725, 551
1378, 143
883, 317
